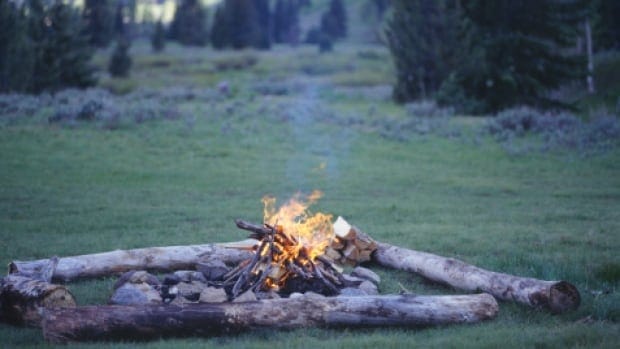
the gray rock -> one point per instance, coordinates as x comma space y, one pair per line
213, 295
366, 274
352, 292
369, 288
135, 294
213, 270
248, 296
190, 290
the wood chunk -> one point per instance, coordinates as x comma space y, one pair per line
343, 229
21, 299
337, 243
332, 254
351, 252
247, 296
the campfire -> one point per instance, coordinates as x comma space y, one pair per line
289, 255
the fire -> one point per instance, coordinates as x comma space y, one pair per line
312, 232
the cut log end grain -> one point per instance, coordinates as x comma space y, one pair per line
22, 298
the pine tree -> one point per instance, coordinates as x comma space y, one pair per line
62, 53
189, 25
264, 23
120, 62
334, 20
517, 52
158, 40
242, 23
97, 16
422, 37
220, 36
286, 22
16, 49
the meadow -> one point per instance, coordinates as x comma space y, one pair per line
195, 138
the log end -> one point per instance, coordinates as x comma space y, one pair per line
563, 296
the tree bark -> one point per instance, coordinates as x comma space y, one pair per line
119, 261
22, 298
92, 323
556, 296
590, 77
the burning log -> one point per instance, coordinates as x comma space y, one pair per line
22, 298
117, 262
556, 296
282, 263
91, 323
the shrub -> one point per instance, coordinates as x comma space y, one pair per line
120, 62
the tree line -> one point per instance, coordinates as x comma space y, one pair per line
482, 56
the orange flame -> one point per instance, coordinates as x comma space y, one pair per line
313, 232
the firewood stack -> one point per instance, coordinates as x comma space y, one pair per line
350, 245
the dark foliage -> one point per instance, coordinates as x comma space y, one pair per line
608, 28
97, 16
61, 50
158, 39
423, 39
334, 20
242, 23
286, 21
120, 61
189, 25
16, 49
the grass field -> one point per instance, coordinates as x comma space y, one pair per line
294, 120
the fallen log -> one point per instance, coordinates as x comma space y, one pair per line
22, 298
92, 323
116, 262
555, 296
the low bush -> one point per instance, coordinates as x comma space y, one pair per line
556, 130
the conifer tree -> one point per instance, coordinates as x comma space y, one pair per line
286, 22
120, 61
16, 49
189, 25
158, 40
242, 23
422, 36
517, 52
62, 53
334, 20
97, 16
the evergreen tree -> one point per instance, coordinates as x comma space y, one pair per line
286, 22
16, 49
158, 40
62, 52
189, 25
517, 53
608, 28
242, 23
97, 16
264, 23
220, 36
334, 20
120, 62
422, 36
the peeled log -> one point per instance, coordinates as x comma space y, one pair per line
556, 296
91, 323
119, 261
22, 298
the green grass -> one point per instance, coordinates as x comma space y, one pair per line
67, 191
